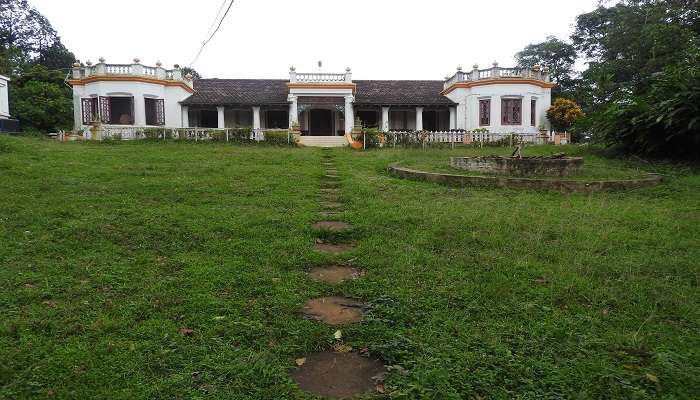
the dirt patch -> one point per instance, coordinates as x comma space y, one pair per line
330, 190
331, 205
331, 177
333, 226
330, 214
334, 273
338, 375
333, 248
333, 310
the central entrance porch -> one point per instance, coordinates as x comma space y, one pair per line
321, 116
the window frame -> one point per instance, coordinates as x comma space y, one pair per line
508, 113
485, 112
533, 112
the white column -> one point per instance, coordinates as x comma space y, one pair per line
185, 117
385, 119
453, 118
139, 110
256, 117
495, 117
461, 114
293, 115
77, 109
349, 114
419, 118
221, 121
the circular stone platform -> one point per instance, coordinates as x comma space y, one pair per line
525, 166
560, 185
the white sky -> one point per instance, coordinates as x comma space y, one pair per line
378, 39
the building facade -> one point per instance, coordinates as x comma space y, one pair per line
4, 97
500, 100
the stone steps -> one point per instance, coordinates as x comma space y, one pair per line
323, 141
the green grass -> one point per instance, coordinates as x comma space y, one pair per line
107, 250
596, 165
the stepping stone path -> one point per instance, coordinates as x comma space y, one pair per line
334, 273
333, 310
338, 375
333, 226
335, 374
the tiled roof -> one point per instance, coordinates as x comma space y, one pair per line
238, 92
400, 93
274, 91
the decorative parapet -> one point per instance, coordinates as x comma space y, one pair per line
319, 77
133, 70
536, 73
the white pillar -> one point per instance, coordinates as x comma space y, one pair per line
293, 114
495, 117
185, 117
385, 119
349, 114
77, 109
139, 110
256, 117
419, 118
453, 118
221, 121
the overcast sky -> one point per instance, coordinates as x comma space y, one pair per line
378, 39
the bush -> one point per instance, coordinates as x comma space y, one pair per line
663, 122
372, 137
279, 138
563, 114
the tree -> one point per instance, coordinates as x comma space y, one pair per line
190, 70
31, 52
563, 114
558, 55
637, 51
41, 100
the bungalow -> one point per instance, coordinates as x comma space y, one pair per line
324, 106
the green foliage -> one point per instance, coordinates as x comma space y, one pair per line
558, 55
41, 100
278, 138
192, 71
372, 137
639, 75
665, 121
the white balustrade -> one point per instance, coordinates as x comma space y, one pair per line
318, 77
496, 73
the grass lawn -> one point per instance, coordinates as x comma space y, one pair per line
107, 251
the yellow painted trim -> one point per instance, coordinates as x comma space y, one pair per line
483, 82
114, 78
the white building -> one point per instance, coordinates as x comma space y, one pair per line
4, 102
500, 100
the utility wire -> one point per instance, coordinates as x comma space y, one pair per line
213, 33
218, 13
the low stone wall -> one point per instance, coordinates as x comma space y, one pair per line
559, 185
527, 166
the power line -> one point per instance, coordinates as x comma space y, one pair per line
221, 7
213, 33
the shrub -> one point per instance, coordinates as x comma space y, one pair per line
372, 137
563, 113
279, 138
665, 121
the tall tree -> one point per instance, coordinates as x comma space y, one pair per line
32, 53
555, 53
